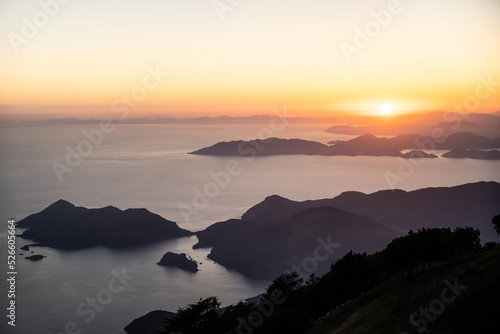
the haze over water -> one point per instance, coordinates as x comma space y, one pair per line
148, 166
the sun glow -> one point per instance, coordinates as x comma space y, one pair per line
73, 64
386, 109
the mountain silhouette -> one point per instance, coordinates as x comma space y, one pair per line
364, 145
66, 226
278, 233
461, 153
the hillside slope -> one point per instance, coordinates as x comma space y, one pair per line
387, 308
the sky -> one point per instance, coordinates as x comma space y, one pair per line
186, 58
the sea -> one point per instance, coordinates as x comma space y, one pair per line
149, 166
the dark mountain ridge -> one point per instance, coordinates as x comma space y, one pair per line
66, 226
278, 232
266, 250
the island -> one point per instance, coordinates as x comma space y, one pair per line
364, 145
35, 257
267, 147
413, 141
180, 261
63, 225
417, 154
461, 153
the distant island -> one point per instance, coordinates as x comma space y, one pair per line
461, 153
204, 120
397, 124
180, 261
65, 226
415, 154
424, 124
364, 145
411, 141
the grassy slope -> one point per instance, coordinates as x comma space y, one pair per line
385, 309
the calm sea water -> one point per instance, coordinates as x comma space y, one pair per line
148, 166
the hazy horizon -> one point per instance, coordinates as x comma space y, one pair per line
316, 58
340, 115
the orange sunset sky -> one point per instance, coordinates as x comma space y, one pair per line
247, 57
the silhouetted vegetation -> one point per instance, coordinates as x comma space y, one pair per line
496, 222
206, 317
292, 306
427, 245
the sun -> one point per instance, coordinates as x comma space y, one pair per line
386, 109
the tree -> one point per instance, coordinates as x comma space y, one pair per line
199, 318
496, 221
466, 238
284, 285
427, 245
